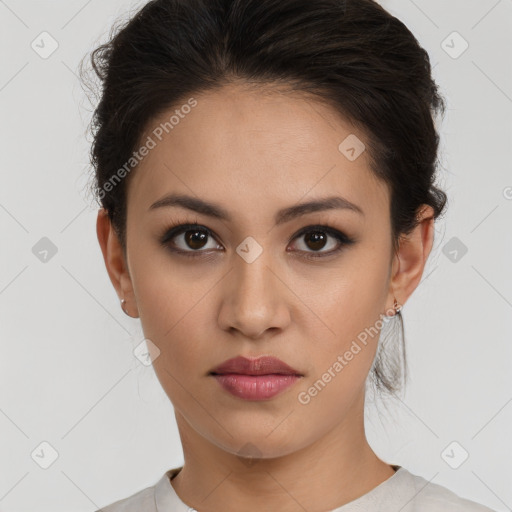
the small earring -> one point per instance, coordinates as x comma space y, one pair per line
123, 306
397, 307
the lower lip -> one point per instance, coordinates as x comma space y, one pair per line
255, 387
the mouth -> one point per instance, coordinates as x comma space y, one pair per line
255, 379
264, 365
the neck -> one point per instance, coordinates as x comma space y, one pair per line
326, 474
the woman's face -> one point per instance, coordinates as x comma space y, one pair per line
260, 283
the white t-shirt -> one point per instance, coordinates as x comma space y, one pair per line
403, 491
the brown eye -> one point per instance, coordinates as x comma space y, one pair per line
312, 239
189, 239
315, 240
196, 239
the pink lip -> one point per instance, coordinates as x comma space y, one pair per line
264, 365
255, 379
255, 387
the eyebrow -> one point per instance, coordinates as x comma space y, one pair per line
284, 215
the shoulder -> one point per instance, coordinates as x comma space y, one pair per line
427, 496
141, 501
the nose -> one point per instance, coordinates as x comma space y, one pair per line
254, 299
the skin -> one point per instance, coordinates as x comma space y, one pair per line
253, 154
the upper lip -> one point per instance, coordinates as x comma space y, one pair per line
264, 365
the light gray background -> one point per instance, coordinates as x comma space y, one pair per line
67, 373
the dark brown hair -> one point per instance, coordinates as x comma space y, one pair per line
350, 54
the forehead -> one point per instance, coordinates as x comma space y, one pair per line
255, 148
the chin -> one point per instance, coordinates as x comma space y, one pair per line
251, 446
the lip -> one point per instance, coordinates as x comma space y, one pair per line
264, 365
255, 379
255, 387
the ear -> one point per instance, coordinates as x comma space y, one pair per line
115, 262
411, 257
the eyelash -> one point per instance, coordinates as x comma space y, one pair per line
180, 228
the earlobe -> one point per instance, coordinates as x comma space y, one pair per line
411, 257
114, 260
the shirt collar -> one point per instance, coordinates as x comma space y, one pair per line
166, 498
389, 494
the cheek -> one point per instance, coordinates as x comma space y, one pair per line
176, 315
168, 295
340, 363
352, 296
351, 304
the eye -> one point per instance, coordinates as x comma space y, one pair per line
191, 240
316, 238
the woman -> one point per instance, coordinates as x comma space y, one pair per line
266, 174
